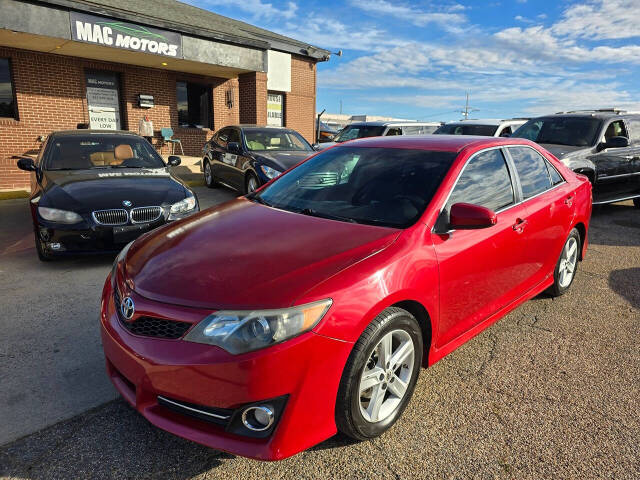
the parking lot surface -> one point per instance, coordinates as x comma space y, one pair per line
550, 391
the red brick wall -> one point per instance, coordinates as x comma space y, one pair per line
51, 95
253, 98
300, 103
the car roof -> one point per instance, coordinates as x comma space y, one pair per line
246, 126
85, 131
488, 121
447, 143
379, 123
589, 114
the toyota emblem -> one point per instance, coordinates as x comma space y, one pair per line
127, 308
127, 203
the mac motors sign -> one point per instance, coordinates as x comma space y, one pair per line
129, 36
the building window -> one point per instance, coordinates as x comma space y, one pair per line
275, 109
7, 98
194, 105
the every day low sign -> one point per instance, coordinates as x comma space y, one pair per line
129, 36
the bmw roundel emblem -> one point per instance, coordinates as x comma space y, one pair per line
127, 308
127, 203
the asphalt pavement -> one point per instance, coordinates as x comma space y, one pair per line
550, 391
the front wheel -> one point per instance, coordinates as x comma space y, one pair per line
567, 265
251, 185
380, 375
208, 175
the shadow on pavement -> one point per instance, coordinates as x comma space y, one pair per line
606, 220
625, 283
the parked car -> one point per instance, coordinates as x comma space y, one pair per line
326, 133
95, 191
484, 128
245, 157
603, 144
379, 129
322, 300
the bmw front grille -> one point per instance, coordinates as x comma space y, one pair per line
119, 216
111, 217
145, 214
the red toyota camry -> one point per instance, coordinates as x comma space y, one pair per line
263, 326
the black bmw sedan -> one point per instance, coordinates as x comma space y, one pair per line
95, 191
245, 157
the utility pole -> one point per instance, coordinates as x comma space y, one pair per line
467, 110
340, 106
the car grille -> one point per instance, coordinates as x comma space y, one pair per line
219, 416
151, 326
145, 214
111, 217
319, 180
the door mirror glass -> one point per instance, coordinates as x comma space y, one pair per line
234, 147
174, 161
616, 142
27, 164
466, 216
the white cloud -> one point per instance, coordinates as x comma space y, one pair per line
257, 9
600, 19
446, 17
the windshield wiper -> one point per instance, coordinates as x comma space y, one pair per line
260, 200
313, 213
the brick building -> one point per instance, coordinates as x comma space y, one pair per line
70, 63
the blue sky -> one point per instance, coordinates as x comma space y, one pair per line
417, 59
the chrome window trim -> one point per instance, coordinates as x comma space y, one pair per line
517, 201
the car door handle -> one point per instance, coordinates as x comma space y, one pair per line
518, 227
568, 201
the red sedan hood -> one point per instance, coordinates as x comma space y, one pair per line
244, 255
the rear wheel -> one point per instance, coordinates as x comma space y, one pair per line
209, 180
43, 256
567, 265
380, 375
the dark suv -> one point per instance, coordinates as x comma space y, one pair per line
604, 145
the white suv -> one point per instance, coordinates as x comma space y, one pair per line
380, 129
485, 128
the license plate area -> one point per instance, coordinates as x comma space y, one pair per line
126, 233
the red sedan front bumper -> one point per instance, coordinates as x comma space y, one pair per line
307, 369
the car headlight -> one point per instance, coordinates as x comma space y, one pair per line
183, 206
245, 331
59, 216
270, 172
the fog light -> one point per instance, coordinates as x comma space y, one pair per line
258, 418
55, 246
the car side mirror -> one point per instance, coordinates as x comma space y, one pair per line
174, 160
615, 142
27, 164
234, 147
316, 147
466, 216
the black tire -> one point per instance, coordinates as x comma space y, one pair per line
558, 288
209, 179
43, 256
248, 181
636, 202
349, 417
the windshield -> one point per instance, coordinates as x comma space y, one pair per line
272, 139
351, 132
574, 131
467, 129
376, 186
83, 152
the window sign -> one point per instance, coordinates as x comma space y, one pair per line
118, 34
275, 110
103, 100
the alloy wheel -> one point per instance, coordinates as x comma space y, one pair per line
568, 262
386, 376
208, 177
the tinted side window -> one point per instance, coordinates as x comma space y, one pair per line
532, 170
485, 181
223, 137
